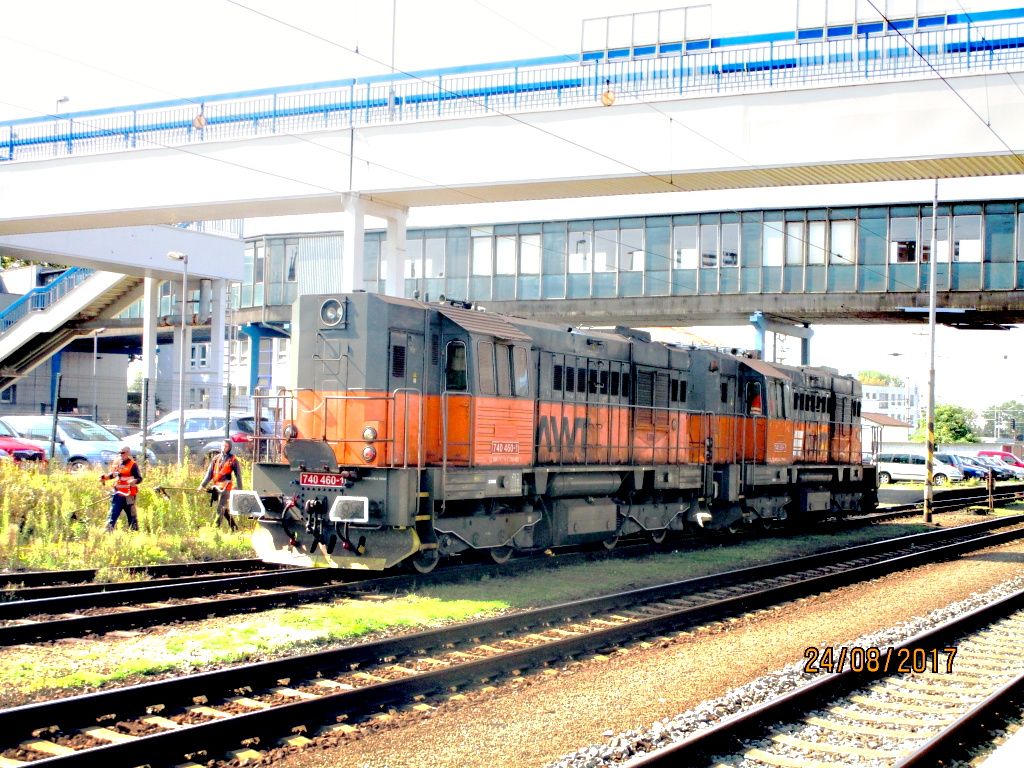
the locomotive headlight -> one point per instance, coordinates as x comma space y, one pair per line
369, 453
369, 434
332, 312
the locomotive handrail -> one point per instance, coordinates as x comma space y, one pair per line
419, 428
390, 399
445, 395
289, 397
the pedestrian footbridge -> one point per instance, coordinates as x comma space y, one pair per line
874, 100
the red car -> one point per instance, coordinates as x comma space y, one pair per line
1006, 456
17, 449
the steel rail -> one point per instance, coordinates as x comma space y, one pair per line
279, 720
723, 737
176, 591
97, 587
938, 750
168, 570
149, 616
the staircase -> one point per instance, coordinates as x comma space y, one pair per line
45, 320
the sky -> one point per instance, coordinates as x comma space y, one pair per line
109, 53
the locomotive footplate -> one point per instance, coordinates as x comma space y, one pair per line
384, 548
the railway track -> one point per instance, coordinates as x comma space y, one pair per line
923, 702
260, 703
15, 581
55, 612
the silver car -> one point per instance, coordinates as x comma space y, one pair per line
81, 444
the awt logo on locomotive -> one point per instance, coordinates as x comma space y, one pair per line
550, 433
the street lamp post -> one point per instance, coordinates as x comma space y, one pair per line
183, 258
56, 115
929, 487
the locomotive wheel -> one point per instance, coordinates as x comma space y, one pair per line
609, 544
657, 537
426, 560
501, 555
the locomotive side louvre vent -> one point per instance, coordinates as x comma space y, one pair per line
398, 362
644, 388
435, 349
661, 390
556, 379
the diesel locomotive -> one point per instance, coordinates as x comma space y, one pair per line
417, 431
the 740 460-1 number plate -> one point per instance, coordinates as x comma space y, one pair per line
322, 479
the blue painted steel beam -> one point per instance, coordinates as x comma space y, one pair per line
256, 332
762, 325
54, 370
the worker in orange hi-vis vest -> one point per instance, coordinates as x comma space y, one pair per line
223, 466
125, 472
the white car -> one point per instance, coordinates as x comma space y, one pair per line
912, 466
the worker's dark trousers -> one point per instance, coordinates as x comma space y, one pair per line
121, 503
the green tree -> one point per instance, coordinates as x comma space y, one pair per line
879, 379
1006, 420
952, 425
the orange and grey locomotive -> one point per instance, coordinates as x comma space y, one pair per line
419, 431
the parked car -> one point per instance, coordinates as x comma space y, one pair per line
970, 470
911, 466
12, 447
241, 433
1006, 456
204, 432
999, 469
81, 443
1016, 473
972, 461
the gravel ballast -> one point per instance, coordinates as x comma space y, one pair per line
629, 702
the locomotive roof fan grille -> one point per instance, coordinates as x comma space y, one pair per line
332, 312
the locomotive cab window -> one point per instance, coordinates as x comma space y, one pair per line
485, 364
503, 357
520, 372
455, 366
754, 398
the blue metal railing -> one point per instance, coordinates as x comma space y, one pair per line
44, 296
535, 85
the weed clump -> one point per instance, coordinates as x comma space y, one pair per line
54, 520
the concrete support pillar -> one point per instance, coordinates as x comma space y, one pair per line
394, 253
218, 355
205, 297
352, 249
805, 347
150, 310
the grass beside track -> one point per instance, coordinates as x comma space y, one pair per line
55, 521
31, 672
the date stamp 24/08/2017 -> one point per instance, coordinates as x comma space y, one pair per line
834, 659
